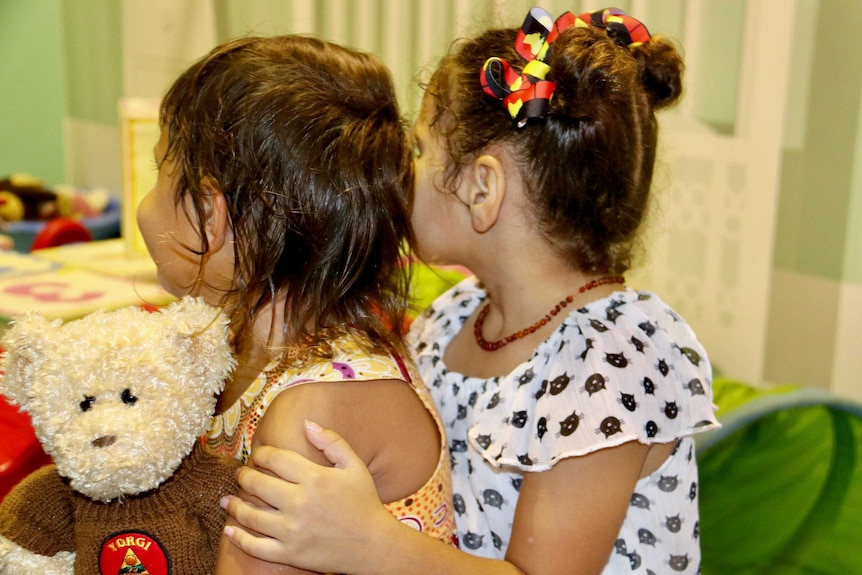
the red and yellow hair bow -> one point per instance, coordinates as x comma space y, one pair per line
527, 95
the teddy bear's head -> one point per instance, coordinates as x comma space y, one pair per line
119, 398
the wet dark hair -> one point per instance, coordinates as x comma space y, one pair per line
305, 140
588, 166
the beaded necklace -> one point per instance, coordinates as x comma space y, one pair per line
495, 345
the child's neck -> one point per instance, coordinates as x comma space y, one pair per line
256, 350
525, 280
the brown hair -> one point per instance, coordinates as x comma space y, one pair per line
305, 139
588, 166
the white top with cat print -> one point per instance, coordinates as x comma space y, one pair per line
623, 368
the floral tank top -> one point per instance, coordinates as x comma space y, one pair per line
428, 510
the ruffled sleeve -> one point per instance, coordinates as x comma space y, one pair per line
624, 368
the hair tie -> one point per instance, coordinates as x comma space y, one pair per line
527, 96
628, 32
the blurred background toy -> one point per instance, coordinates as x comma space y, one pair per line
11, 207
28, 206
35, 200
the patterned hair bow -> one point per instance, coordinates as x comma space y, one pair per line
626, 31
528, 95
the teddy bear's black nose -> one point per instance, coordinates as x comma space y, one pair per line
104, 441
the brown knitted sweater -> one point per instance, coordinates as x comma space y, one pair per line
174, 529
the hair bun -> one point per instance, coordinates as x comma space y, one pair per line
662, 71
590, 66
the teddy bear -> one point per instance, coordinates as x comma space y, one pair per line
119, 400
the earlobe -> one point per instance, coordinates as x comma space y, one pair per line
487, 192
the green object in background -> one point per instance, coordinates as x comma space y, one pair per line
780, 486
428, 282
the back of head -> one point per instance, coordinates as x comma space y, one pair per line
587, 164
305, 140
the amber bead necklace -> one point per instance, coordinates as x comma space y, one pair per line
495, 345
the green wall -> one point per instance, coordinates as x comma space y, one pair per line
853, 244
32, 99
818, 232
93, 59
59, 60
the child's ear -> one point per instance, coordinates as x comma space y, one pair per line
486, 191
215, 211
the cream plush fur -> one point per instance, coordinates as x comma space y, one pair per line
118, 399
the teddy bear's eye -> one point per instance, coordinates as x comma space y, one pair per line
88, 402
128, 397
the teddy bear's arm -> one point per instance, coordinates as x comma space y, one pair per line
15, 560
37, 513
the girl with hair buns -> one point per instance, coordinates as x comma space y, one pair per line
569, 399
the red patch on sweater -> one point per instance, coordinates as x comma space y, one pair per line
133, 552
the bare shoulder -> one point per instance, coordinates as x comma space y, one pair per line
384, 421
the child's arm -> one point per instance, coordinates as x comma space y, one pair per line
232, 560
329, 518
395, 436
372, 542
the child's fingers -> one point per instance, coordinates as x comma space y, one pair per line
260, 547
334, 447
270, 490
262, 520
289, 508
283, 463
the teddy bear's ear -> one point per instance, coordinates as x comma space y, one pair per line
206, 331
25, 343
